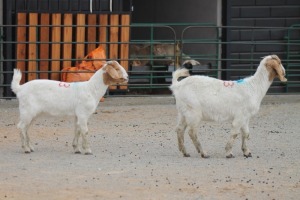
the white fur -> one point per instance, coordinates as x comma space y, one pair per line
78, 99
204, 98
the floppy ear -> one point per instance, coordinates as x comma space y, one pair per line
275, 70
114, 64
281, 74
112, 72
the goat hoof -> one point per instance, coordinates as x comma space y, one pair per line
77, 152
27, 152
248, 156
230, 156
205, 156
186, 155
88, 153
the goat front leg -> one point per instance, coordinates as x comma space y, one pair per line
193, 135
84, 132
29, 142
76, 138
245, 136
234, 134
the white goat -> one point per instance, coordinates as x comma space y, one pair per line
55, 98
204, 98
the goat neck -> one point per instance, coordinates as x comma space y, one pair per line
260, 82
96, 84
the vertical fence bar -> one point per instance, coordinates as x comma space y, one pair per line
124, 48
67, 39
91, 32
44, 46
21, 46
55, 47
32, 49
103, 21
114, 38
80, 36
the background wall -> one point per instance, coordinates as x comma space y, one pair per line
175, 11
275, 16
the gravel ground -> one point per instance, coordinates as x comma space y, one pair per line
135, 155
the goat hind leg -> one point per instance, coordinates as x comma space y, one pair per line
180, 137
245, 136
180, 129
29, 143
27, 147
193, 135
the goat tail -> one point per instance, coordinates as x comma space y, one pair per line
15, 84
178, 73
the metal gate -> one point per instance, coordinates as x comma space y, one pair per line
158, 49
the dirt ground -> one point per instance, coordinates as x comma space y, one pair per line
135, 155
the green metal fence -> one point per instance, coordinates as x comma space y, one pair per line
161, 48
293, 58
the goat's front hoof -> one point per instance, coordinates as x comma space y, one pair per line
230, 156
88, 151
26, 149
205, 156
77, 152
186, 155
248, 156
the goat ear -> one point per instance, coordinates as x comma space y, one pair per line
276, 70
112, 72
279, 69
114, 64
280, 72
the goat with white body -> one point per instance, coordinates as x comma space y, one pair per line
205, 98
78, 99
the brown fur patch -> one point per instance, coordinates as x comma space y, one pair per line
107, 79
113, 74
275, 70
117, 67
114, 64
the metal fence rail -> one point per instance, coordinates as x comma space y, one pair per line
156, 50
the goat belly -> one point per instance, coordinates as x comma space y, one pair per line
216, 115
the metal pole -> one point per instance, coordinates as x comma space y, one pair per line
1, 48
8, 49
